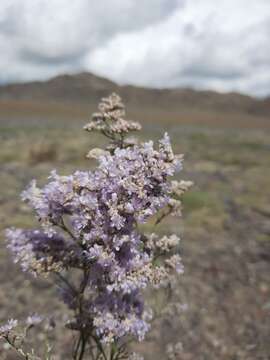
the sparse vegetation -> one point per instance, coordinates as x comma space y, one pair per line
226, 230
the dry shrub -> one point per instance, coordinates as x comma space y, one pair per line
42, 152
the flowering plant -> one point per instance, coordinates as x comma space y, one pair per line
90, 226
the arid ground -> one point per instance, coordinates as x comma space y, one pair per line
225, 228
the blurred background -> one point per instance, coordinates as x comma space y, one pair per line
199, 69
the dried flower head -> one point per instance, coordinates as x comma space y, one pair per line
110, 121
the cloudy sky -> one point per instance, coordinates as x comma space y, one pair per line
205, 44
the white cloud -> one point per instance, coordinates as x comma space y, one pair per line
221, 45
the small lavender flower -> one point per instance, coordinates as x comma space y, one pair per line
34, 319
8, 327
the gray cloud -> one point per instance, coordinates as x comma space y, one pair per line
164, 43
52, 30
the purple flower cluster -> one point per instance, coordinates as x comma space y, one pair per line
90, 221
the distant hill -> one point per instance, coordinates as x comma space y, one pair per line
85, 89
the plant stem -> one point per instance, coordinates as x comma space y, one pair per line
82, 346
21, 353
